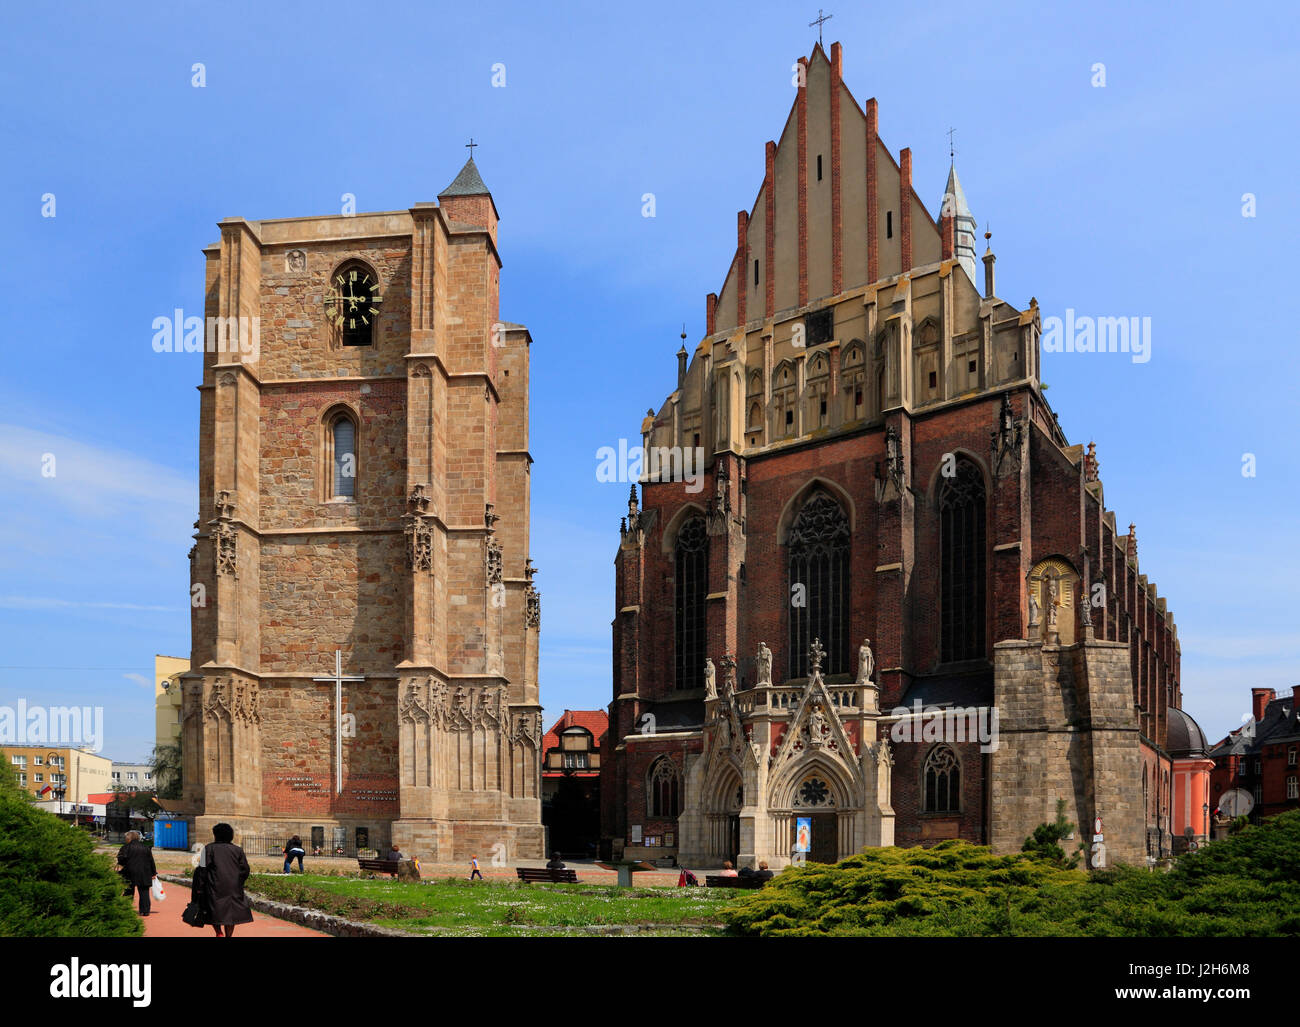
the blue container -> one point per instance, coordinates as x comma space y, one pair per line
171, 834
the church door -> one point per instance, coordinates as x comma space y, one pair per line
825, 838
733, 838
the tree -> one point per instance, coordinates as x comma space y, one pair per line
165, 761
1044, 843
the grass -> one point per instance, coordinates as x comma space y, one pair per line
455, 906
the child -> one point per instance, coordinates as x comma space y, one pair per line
473, 868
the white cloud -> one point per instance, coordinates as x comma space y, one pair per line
139, 679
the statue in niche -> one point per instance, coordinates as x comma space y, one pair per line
295, 260
710, 679
764, 662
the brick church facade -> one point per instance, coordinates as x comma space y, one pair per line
364, 488
881, 466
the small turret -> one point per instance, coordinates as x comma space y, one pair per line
964, 227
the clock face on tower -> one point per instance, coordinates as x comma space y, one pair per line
352, 304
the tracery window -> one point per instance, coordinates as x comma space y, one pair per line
665, 789
691, 588
819, 585
961, 564
942, 781
814, 792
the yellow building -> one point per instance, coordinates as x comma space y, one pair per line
79, 773
167, 671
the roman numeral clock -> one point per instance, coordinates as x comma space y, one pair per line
352, 305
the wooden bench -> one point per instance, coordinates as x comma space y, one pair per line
713, 881
379, 866
543, 875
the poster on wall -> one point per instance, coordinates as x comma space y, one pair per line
803, 834
636, 834
669, 839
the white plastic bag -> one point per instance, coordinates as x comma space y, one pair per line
157, 890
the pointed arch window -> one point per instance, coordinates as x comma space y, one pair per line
819, 576
665, 789
961, 564
942, 781
341, 462
691, 588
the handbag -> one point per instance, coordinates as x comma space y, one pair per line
193, 915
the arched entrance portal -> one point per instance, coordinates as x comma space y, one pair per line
815, 798
726, 797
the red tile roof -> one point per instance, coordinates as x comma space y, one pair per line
595, 721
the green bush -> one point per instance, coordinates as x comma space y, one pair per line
52, 882
1242, 886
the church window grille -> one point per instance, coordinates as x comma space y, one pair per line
665, 789
942, 781
343, 458
692, 586
819, 562
961, 564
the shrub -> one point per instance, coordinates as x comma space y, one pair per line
52, 882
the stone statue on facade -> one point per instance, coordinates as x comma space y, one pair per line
764, 662
710, 679
866, 662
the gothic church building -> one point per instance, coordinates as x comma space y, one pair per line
892, 516
364, 489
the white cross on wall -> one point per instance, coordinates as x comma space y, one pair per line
338, 678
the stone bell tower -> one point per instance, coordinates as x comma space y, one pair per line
364, 490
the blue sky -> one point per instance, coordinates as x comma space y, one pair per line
1121, 200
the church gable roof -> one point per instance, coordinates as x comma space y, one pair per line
809, 232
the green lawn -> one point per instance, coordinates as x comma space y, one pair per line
454, 906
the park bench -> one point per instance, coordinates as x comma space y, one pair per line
534, 875
379, 866
713, 881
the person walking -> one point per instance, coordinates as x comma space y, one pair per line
138, 869
293, 850
473, 869
219, 882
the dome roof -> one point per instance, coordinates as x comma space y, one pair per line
1185, 735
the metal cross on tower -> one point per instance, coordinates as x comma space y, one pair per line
821, 20
470, 146
338, 678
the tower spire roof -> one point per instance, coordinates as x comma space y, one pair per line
468, 183
954, 203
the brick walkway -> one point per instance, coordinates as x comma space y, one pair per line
165, 921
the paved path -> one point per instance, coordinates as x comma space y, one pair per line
165, 921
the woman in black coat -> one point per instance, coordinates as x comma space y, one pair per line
219, 882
